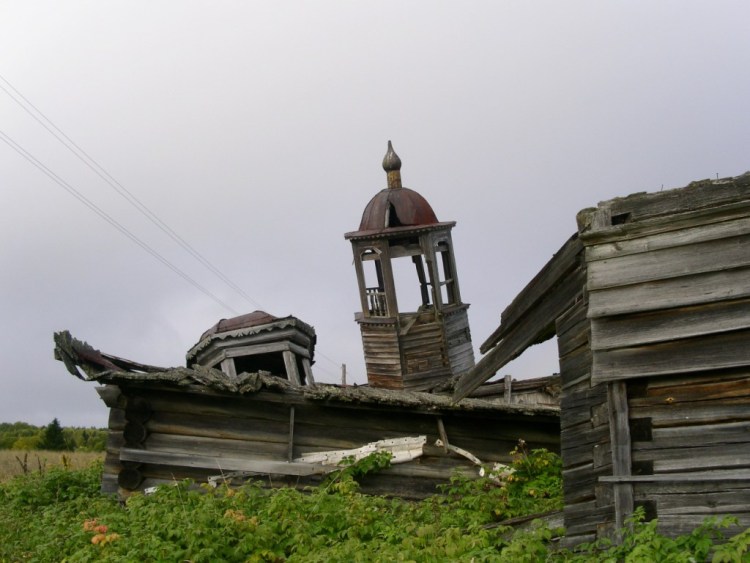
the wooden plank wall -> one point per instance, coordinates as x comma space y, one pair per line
416, 352
671, 302
668, 278
695, 431
585, 437
424, 350
257, 428
458, 339
382, 354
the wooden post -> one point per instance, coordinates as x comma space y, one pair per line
619, 434
308, 371
443, 434
290, 445
508, 385
291, 367
227, 366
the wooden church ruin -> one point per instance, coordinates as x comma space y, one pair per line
247, 404
649, 301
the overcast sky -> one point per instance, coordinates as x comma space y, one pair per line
256, 131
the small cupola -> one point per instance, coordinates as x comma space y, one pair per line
256, 342
414, 326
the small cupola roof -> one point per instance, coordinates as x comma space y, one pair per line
248, 320
396, 206
246, 329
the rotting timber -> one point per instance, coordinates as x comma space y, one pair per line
198, 422
247, 402
650, 303
413, 340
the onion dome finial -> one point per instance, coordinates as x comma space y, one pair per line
392, 166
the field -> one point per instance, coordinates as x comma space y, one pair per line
60, 515
11, 461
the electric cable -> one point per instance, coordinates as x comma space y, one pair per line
109, 219
100, 171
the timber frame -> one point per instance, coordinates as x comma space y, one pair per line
203, 424
650, 303
415, 345
258, 341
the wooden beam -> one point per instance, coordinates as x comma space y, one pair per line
623, 331
560, 265
290, 362
711, 352
309, 379
687, 477
696, 289
536, 326
696, 196
112, 396
673, 262
227, 366
222, 463
619, 434
716, 228
290, 449
443, 434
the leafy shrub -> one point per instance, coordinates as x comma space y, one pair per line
60, 515
642, 542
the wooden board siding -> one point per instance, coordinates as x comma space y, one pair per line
643, 212
669, 293
715, 351
548, 297
695, 431
668, 280
414, 352
382, 354
458, 340
623, 331
669, 262
673, 234
424, 352
657, 295
198, 433
585, 438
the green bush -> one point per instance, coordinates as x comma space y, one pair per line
61, 516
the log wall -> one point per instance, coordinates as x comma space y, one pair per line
668, 281
200, 434
585, 440
691, 447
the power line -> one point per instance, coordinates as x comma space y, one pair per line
321, 355
96, 209
99, 170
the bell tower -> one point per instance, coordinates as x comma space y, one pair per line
415, 328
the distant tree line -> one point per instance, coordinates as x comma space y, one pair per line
23, 436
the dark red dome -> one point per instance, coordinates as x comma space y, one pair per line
255, 318
399, 207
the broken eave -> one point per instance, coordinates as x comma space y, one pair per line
208, 380
394, 232
280, 324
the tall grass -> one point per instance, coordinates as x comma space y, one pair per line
12, 462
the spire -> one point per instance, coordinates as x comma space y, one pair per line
392, 166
